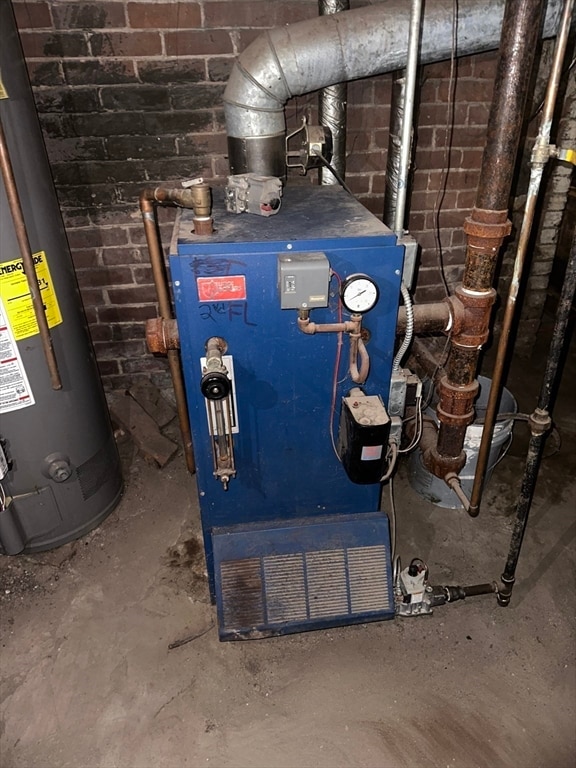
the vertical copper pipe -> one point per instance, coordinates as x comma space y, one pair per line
28, 261
540, 156
487, 227
155, 252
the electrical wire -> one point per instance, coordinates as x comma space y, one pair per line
392, 520
337, 360
409, 334
447, 142
441, 363
419, 427
333, 170
392, 456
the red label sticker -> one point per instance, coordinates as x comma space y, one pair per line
231, 288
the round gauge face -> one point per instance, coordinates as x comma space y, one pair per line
359, 293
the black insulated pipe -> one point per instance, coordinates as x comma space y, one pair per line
540, 424
450, 594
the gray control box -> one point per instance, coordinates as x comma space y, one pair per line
303, 280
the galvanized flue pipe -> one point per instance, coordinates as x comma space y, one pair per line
309, 55
332, 107
541, 153
486, 229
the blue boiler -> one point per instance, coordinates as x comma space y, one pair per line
291, 542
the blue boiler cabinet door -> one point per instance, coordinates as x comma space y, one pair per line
226, 286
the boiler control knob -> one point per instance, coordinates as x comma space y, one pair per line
215, 385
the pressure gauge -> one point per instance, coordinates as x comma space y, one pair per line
359, 293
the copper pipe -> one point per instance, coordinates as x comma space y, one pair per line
358, 350
195, 196
453, 481
28, 261
487, 227
309, 327
352, 327
541, 153
147, 200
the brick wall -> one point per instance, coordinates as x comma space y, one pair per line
129, 95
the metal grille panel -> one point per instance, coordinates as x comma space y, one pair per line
297, 587
327, 587
242, 592
290, 577
285, 588
368, 578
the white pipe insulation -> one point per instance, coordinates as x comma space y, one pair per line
309, 55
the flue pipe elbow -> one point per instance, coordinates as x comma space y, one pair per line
310, 55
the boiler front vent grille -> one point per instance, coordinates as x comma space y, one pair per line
295, 590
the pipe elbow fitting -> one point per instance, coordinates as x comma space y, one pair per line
306, 326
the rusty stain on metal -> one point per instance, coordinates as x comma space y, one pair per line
162, 335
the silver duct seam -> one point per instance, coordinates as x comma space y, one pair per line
304, 57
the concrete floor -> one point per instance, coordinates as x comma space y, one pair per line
88, 680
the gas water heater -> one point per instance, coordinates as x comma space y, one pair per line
287, 328
59, 468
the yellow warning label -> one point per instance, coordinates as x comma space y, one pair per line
17, 300
3, 91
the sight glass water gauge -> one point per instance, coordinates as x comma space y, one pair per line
359, 293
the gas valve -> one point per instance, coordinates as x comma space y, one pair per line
413, 593
252, 193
